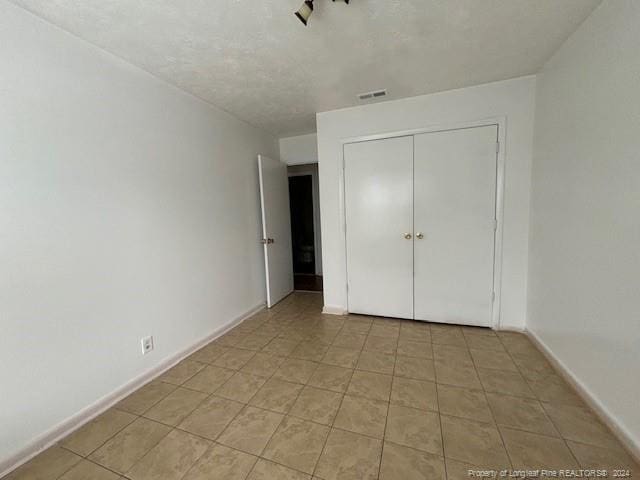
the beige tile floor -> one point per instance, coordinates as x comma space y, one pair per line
294, 394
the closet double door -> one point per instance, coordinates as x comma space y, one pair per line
420, 225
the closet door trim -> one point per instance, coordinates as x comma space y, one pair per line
501, 123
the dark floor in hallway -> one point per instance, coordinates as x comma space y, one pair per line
307, 283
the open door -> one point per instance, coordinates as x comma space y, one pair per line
276, 228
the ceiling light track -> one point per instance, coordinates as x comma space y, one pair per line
305, 11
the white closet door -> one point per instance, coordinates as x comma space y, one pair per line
379, 215
455, 204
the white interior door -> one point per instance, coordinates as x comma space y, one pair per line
379, 215
455, 211
276, 228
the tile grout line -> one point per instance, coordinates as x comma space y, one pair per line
255, 331
283, 415
176, 427
466, 347
484, 392
302, 335
86, 457
244, 408
213, 442
246, 405
435, 381
172, 427
541, 403
344, 394
386, 419
138, 416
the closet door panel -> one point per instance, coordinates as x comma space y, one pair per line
455, 195
379, 215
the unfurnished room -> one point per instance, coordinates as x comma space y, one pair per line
319, 240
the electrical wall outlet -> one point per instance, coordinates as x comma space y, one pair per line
147, 345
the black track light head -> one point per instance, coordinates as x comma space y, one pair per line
305, 11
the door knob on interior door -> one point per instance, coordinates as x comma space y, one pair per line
407, 236
419, 235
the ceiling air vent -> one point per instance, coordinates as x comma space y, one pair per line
370, 95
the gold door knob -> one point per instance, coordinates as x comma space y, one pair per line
419, 235
407, 236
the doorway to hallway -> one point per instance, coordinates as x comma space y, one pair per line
305, 227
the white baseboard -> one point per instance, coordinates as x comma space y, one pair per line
334, 310
507, 328
282, 298
69, 425
619, 430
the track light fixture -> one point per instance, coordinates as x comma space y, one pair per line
305, 11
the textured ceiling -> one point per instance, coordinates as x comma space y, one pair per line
254, 59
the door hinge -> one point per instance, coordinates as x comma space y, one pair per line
493, 296
495, 224
497, 147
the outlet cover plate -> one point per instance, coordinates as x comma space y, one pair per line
147, 344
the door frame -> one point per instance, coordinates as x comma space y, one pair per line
316, 218
501, 123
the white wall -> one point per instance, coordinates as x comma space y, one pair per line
299, 150
584, 274
513, 99
127, 208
